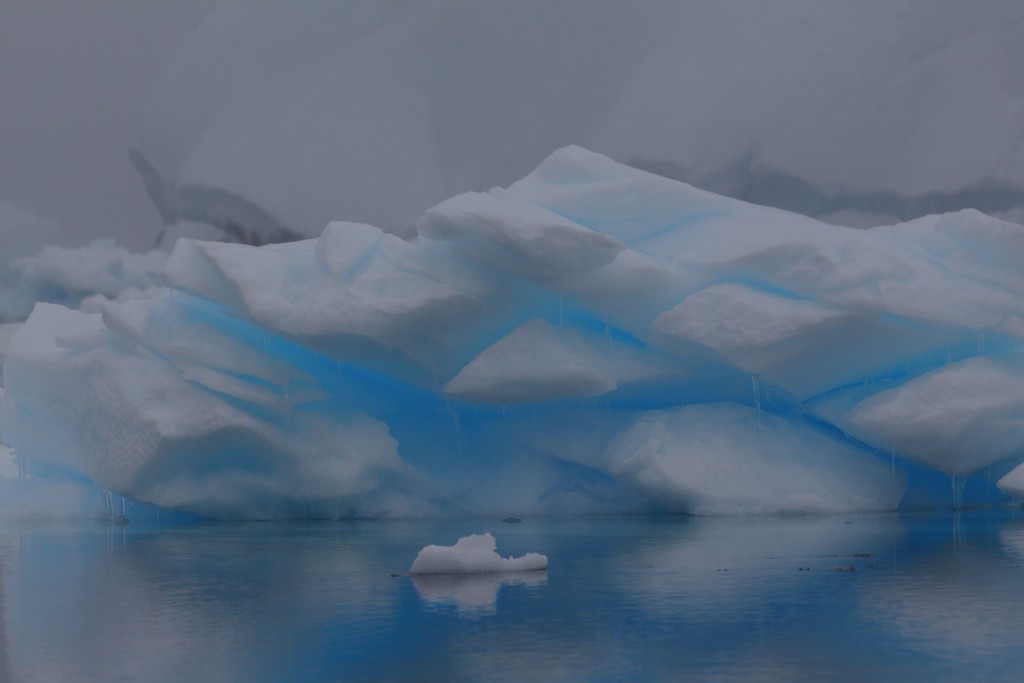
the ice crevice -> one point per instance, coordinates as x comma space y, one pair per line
746, 361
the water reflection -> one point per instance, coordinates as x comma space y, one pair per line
1011, 536
722, 561
624, 599
471, 594
956, 597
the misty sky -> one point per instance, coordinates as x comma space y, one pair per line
882, 119
74, 77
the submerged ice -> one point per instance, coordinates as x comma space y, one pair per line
593, 338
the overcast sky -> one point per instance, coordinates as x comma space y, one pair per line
74, 77
893, 111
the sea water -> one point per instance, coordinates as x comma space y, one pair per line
932, 597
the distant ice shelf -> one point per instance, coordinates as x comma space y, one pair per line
592, 339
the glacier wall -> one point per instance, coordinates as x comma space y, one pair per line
593, 338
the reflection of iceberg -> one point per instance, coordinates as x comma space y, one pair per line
954, 599
471, 592
592, 339
686, 566
204, 603
1012, 538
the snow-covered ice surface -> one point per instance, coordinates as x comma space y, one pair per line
78, 277
270, 122
473, 554
592, 339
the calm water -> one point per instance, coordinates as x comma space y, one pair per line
936, 598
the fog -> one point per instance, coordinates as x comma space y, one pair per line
74, 77
268, 120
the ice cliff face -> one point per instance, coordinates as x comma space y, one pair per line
594, 338
270, 122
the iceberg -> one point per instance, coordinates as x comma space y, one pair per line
473, 554
592, 339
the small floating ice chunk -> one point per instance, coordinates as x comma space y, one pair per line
473, 554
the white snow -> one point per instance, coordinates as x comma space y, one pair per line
531, 363
725, 459
78, 277
526, 238
958, 419
473, 554
101, 267
791, 342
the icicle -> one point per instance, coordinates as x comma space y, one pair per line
458, 432
959, 482
607, 329
892, 456
981, 342
561, 318
115, 512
